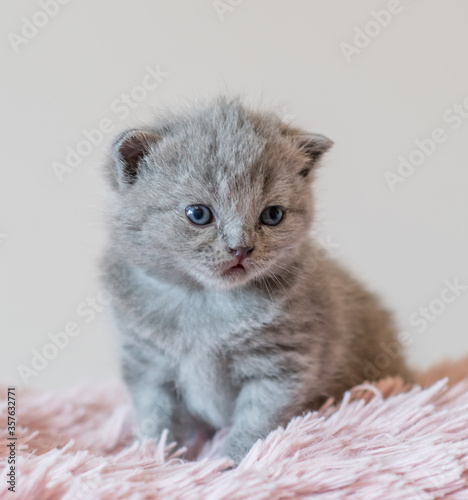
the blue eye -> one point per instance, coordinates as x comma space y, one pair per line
272, 216
199, 214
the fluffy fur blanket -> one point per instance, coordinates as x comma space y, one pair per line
381, 441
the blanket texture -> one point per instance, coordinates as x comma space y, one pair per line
381, 441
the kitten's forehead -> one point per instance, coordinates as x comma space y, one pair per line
237, 170
231, 149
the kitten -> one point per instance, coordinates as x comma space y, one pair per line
228, 313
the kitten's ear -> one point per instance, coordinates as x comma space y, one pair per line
313, 146
128, 151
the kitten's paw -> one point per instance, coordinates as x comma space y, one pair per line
229, 468
236, 451
147, 428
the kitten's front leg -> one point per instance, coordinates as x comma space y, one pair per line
154, 406
148, 379
262, 405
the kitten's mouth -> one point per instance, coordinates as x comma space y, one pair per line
238, 268
235, 268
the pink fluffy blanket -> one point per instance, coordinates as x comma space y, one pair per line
381, 441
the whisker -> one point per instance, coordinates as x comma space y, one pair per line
289, 271
281, 287
264, 281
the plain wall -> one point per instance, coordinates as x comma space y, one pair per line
308, 60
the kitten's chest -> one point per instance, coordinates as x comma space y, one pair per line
210, 321
204, 381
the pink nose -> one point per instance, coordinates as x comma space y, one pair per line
241, 252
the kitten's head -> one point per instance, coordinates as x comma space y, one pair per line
220, 194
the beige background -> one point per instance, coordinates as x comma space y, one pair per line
282, 54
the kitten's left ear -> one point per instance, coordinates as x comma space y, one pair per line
313, 146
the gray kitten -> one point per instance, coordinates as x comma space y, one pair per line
229, 315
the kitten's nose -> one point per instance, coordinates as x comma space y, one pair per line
241, 252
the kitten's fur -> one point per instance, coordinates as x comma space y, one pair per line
251, 350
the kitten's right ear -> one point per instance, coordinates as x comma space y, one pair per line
128, 151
